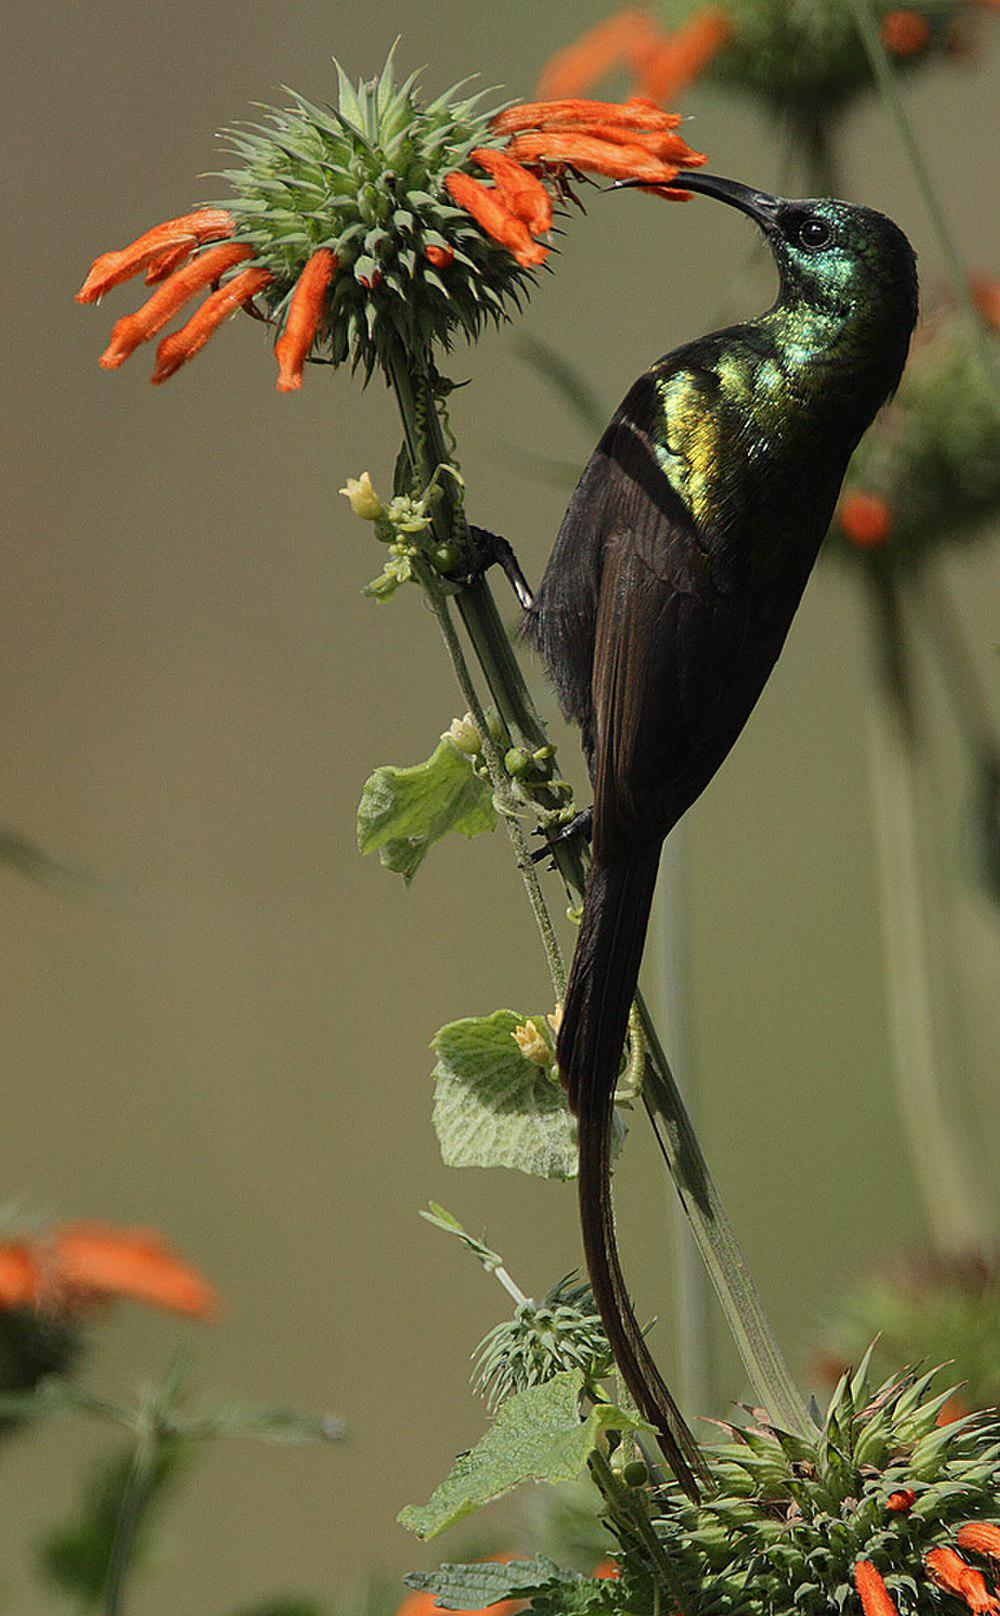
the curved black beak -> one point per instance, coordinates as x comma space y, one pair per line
760, 206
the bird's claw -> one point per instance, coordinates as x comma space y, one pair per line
582, 824
490, 550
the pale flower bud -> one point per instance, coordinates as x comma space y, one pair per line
362, 498
532, 1045
463, 733
555, 1018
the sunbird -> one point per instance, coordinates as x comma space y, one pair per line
665, 604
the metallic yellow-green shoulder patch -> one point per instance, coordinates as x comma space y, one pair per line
688, 444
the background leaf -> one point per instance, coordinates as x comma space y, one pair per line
403, 812
75, 1558
538, 1435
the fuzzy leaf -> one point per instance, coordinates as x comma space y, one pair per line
538, 1435
494, 1108
474, 1587
403, 812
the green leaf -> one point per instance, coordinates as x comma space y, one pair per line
494, 1108
473, 1587
538, 1435
403, 812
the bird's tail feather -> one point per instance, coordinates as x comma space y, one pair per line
595, 1018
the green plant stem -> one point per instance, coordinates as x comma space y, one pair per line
769, 1374
505, 801
130, 1514
627, 1508
922, 1062
888, 84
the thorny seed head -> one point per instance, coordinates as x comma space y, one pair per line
562, 1331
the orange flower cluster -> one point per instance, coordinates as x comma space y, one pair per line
633, 140
513, 205
660, 64
76, 1266
946, 1569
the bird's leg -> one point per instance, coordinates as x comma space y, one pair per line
490, 550
582, 824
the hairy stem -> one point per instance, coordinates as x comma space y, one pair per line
923, 1062
741, 1302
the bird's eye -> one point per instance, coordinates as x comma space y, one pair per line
814, 233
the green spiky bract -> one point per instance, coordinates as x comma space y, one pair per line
807, 61
562, 1331
365, 178
934, 454
791, 1518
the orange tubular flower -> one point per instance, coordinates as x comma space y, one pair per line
980, 1538
899, 1503
574, 113
865, 519
950, 1572
94, 1262
175, 350
875, 1597
173, 258
685, 54
191, 229
596, 155
143, 325
523, 193
905, 33
625, 39
303, 318
488, 209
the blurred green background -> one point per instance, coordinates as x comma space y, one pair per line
227, 1037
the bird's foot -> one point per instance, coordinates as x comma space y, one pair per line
490, 550
582, 824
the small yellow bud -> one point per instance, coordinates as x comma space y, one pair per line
555, 1019
464, 734
362, 498
532, 1045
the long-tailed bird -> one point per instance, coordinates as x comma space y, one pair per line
667, 599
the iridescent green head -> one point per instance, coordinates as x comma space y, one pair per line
850, 266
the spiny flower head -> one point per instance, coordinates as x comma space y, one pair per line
382, 225
928, 472
800, 1528
562, 1331
803, 60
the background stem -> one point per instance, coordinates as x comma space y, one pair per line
923, 1063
